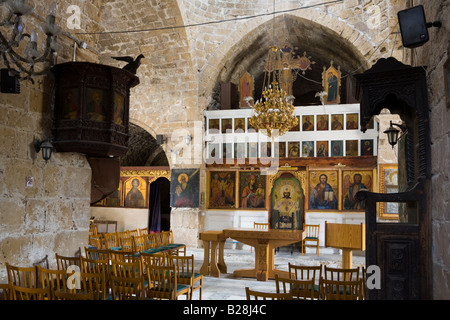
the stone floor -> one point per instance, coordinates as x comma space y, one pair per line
228, 287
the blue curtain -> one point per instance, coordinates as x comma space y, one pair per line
154, 221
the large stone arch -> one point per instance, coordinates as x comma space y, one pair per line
246, 49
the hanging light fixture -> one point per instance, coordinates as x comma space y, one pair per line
393, 133
273, 114
23, 66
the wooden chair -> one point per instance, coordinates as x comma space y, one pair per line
286, 222
96, 241
124, 256
93, 229
342, 290
163, 283
121, 235
55, 280
139, 243
96, 266
97, 254
260, 225
111, 240
143, 231
339, 274
133, 233
63, 262
60, 295
5, 291
126, 244
26, 277
186, 275
311, 235
259, 295
306, 273
23, 293
299, 289
150, 241
158, 239
95, 283
126, 280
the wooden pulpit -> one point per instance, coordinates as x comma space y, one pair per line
347, 237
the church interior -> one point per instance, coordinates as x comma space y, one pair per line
229, 129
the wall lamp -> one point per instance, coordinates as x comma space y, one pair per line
393, 133
45, 146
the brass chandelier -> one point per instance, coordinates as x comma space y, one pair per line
273, 114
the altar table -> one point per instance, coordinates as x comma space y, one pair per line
264, 241
212, 239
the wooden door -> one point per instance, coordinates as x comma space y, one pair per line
400, 249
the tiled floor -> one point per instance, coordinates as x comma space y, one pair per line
228, 287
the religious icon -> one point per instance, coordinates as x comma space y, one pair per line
322, 148
337, 122
214, 150
323, 189
351, 148
213, 126
308, 123
367, 147
239, 125
135, 189
331, 83
281, 148
353, 182
253, 149
352, 121
70, 104
245, 89
337, 148
266, 149
308, 149
252, 190
227, 151
96, 105
118, 108
226, 126
293, 149
287, 199
221, 189
184, 188
239, 150
322, 122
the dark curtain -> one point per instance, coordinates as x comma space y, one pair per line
154, 223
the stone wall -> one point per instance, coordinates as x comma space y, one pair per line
433, 55
52, 214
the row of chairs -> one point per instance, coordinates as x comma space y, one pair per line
129, 241
106, 275
302, 284
112, 239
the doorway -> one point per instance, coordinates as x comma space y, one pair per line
159, 205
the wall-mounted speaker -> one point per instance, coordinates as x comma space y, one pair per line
413, 26
8, 84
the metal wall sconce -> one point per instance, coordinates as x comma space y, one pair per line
393, 133
188, 139
46, 146
23, 66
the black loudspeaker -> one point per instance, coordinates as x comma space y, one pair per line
413, 26
159, 139
8, 84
